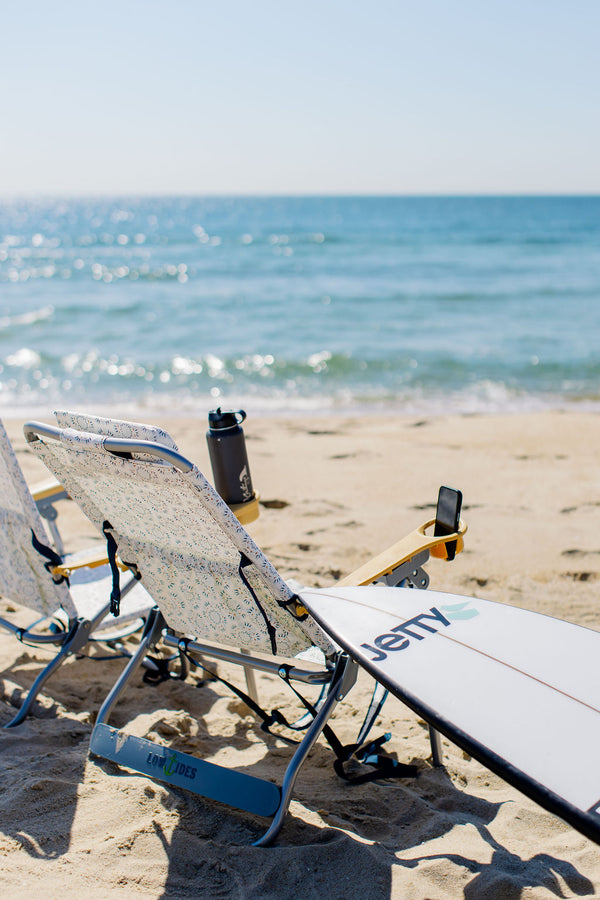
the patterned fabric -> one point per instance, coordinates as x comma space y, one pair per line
23, 577
187, 544
114, 428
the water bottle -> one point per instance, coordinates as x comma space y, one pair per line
228, 457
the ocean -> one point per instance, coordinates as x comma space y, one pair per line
300, 304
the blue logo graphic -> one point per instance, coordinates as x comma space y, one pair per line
459, 611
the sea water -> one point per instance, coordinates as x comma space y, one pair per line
298, 304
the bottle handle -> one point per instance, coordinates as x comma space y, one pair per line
242, 414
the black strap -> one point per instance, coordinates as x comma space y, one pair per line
162, 671
292, 606
275, 717
132, 567
51, 556
378, 698
385, 766
111, 549
244, 561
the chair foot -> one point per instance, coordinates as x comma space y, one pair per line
74, 641
340, 684
36, 687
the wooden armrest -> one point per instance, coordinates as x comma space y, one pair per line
85, 559
415, 542
49, 491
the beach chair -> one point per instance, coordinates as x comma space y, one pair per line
68, 593
217, 596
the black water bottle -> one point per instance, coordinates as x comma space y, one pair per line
228, 457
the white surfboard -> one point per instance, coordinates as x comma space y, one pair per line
517, 690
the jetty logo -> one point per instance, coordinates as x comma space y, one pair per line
170, 766
417, 629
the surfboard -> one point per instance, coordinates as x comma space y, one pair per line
517, 690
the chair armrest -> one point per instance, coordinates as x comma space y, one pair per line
46, 495
48, 492
400, 552
85, 559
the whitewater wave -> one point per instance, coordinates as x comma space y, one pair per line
28, 318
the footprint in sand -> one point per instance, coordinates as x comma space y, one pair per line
325, 433
570, 509
578, 552
334, 574
581, 576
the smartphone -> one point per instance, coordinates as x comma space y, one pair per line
447, 516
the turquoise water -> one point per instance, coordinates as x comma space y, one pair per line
300, 304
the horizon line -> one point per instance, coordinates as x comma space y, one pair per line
83, 195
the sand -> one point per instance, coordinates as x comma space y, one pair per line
336, 490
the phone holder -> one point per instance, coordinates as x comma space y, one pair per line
440, 550
416, 544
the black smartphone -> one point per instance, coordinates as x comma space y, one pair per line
447, 516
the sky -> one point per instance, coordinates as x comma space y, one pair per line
311, 97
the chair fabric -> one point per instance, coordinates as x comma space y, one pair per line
23, 575
118, 428
187, 544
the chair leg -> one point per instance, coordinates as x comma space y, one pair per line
74, 641
340, 685
437, 754
154, 626
250, 678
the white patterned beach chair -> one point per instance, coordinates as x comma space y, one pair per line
68, 593
217, 595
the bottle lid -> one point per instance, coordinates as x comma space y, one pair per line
219, 420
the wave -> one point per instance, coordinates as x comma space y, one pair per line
322, 380
481, 398
29, 318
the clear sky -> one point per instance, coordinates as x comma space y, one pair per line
315, 96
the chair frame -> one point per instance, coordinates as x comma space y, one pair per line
77, 634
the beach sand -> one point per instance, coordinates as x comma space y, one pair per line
335, 490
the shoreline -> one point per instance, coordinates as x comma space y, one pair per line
319, 406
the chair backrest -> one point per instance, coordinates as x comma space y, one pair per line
204, 571
118, 428
101, 425
23, 576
